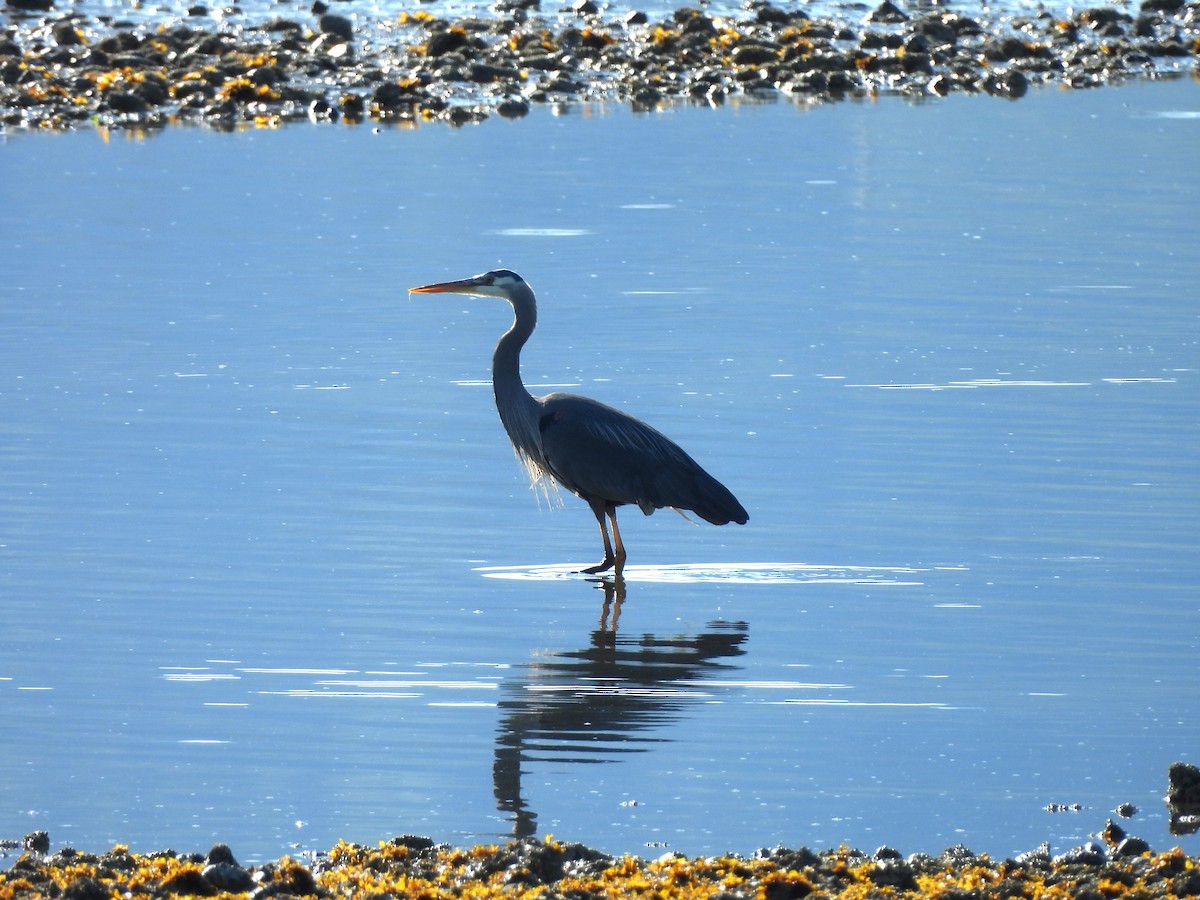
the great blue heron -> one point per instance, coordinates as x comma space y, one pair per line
601, 454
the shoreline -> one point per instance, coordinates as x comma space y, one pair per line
411, 866
65, 70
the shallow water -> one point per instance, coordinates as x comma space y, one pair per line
271, 575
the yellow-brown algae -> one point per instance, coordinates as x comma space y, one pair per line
550, 870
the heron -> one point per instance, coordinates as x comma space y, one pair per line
602, 455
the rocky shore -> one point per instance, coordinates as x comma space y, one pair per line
65, 69
415, 867
1114, 865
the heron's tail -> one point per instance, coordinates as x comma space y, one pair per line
698, 492
716, 503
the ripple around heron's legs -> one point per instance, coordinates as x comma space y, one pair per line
725, 572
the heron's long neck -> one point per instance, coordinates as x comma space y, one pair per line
518, 409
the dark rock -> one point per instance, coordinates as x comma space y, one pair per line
66, 34
1186, 884
483, 73
352, 106
446, 41
1011, 84
962, 25
693, 22
30, 5
769, 14
338, 26
1090, 854
957, 855
1183, 785
935, 29
841, 82
37, 842
188, 882
320, 110
393, 96
220, 853
1099, 16
85, 889
1113, 833
887, 13
282, 25
635, 17
893, 873
1131, 846
512, 108
1035, 859
153, 90
227, 877
125, 102
877, 40
755, 55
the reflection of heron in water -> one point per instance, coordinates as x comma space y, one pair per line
601, 454
594, 705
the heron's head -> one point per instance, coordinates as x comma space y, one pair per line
497, 283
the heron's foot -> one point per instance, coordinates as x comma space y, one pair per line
608, 563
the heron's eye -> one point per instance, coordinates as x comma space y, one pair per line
491, 280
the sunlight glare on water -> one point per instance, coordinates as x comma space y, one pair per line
272, 576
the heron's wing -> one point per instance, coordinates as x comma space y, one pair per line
600, 452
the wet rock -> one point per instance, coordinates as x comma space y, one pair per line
1130, 847
1183, 798
352, 107
755, 54
893, 873
338, 26
1183, 788
37, 842
1011, 84
1113, 833
484, 73
1012, 48
227, 878
85, 889
125, 102
887, 13
321, 110
693, 22
1035, 859
67, 34
1090, 854
446, 41
935, 30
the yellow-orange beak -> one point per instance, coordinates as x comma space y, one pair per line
465, 285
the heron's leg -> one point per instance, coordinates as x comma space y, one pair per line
619, 557
598, 507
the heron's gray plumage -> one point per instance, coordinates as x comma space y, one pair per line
599, 453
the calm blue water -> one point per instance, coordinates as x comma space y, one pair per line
270, 575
